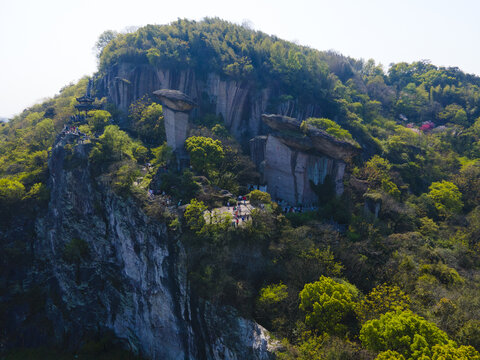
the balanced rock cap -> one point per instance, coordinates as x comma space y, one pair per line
175, 100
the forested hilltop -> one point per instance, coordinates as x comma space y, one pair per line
389, 269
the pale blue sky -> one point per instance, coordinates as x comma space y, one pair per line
47, 44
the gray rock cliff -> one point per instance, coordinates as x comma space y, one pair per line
125, 274
240, 103
295, 158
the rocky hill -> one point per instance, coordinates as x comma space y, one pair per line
365, 244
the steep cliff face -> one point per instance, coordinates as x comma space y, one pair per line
295, 158
103, 265
241, 103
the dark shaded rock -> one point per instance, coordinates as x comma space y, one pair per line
257, 149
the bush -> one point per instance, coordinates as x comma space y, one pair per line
205, 153
98, 119
194, 215
258, 197
331, 128
469, 334
382, 299
11, 191
447, 197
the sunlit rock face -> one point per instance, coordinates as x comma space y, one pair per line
240, 103
288, 173
295, 160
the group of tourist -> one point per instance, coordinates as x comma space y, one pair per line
238, 217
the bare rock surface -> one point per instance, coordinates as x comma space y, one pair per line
175, 100
294, 159
239, 103
313, 139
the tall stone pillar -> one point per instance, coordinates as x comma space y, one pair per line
176, 106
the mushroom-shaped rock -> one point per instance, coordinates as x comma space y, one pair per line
175, 111
175, 100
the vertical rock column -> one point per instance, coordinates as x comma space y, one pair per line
176, 106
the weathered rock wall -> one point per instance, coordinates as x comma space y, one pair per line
240, 103
288, 172
130, 280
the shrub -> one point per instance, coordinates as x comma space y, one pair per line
258, 197
330, 127
447, 197
205, 153
382, 299
194, 215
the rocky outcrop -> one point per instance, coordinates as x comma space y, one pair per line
295, 159
288, 173
103, 265
175, 100
240, 103
177, 105
310, 139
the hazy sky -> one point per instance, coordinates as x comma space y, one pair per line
47, 44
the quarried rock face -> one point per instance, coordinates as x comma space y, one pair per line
312, 139
176, 128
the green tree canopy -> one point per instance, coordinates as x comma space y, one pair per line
330, 127
326, 304
98, 119
410, 335
147, 121
194, 215
11, 191
205, 153
447, 197
113, 144
382, 299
